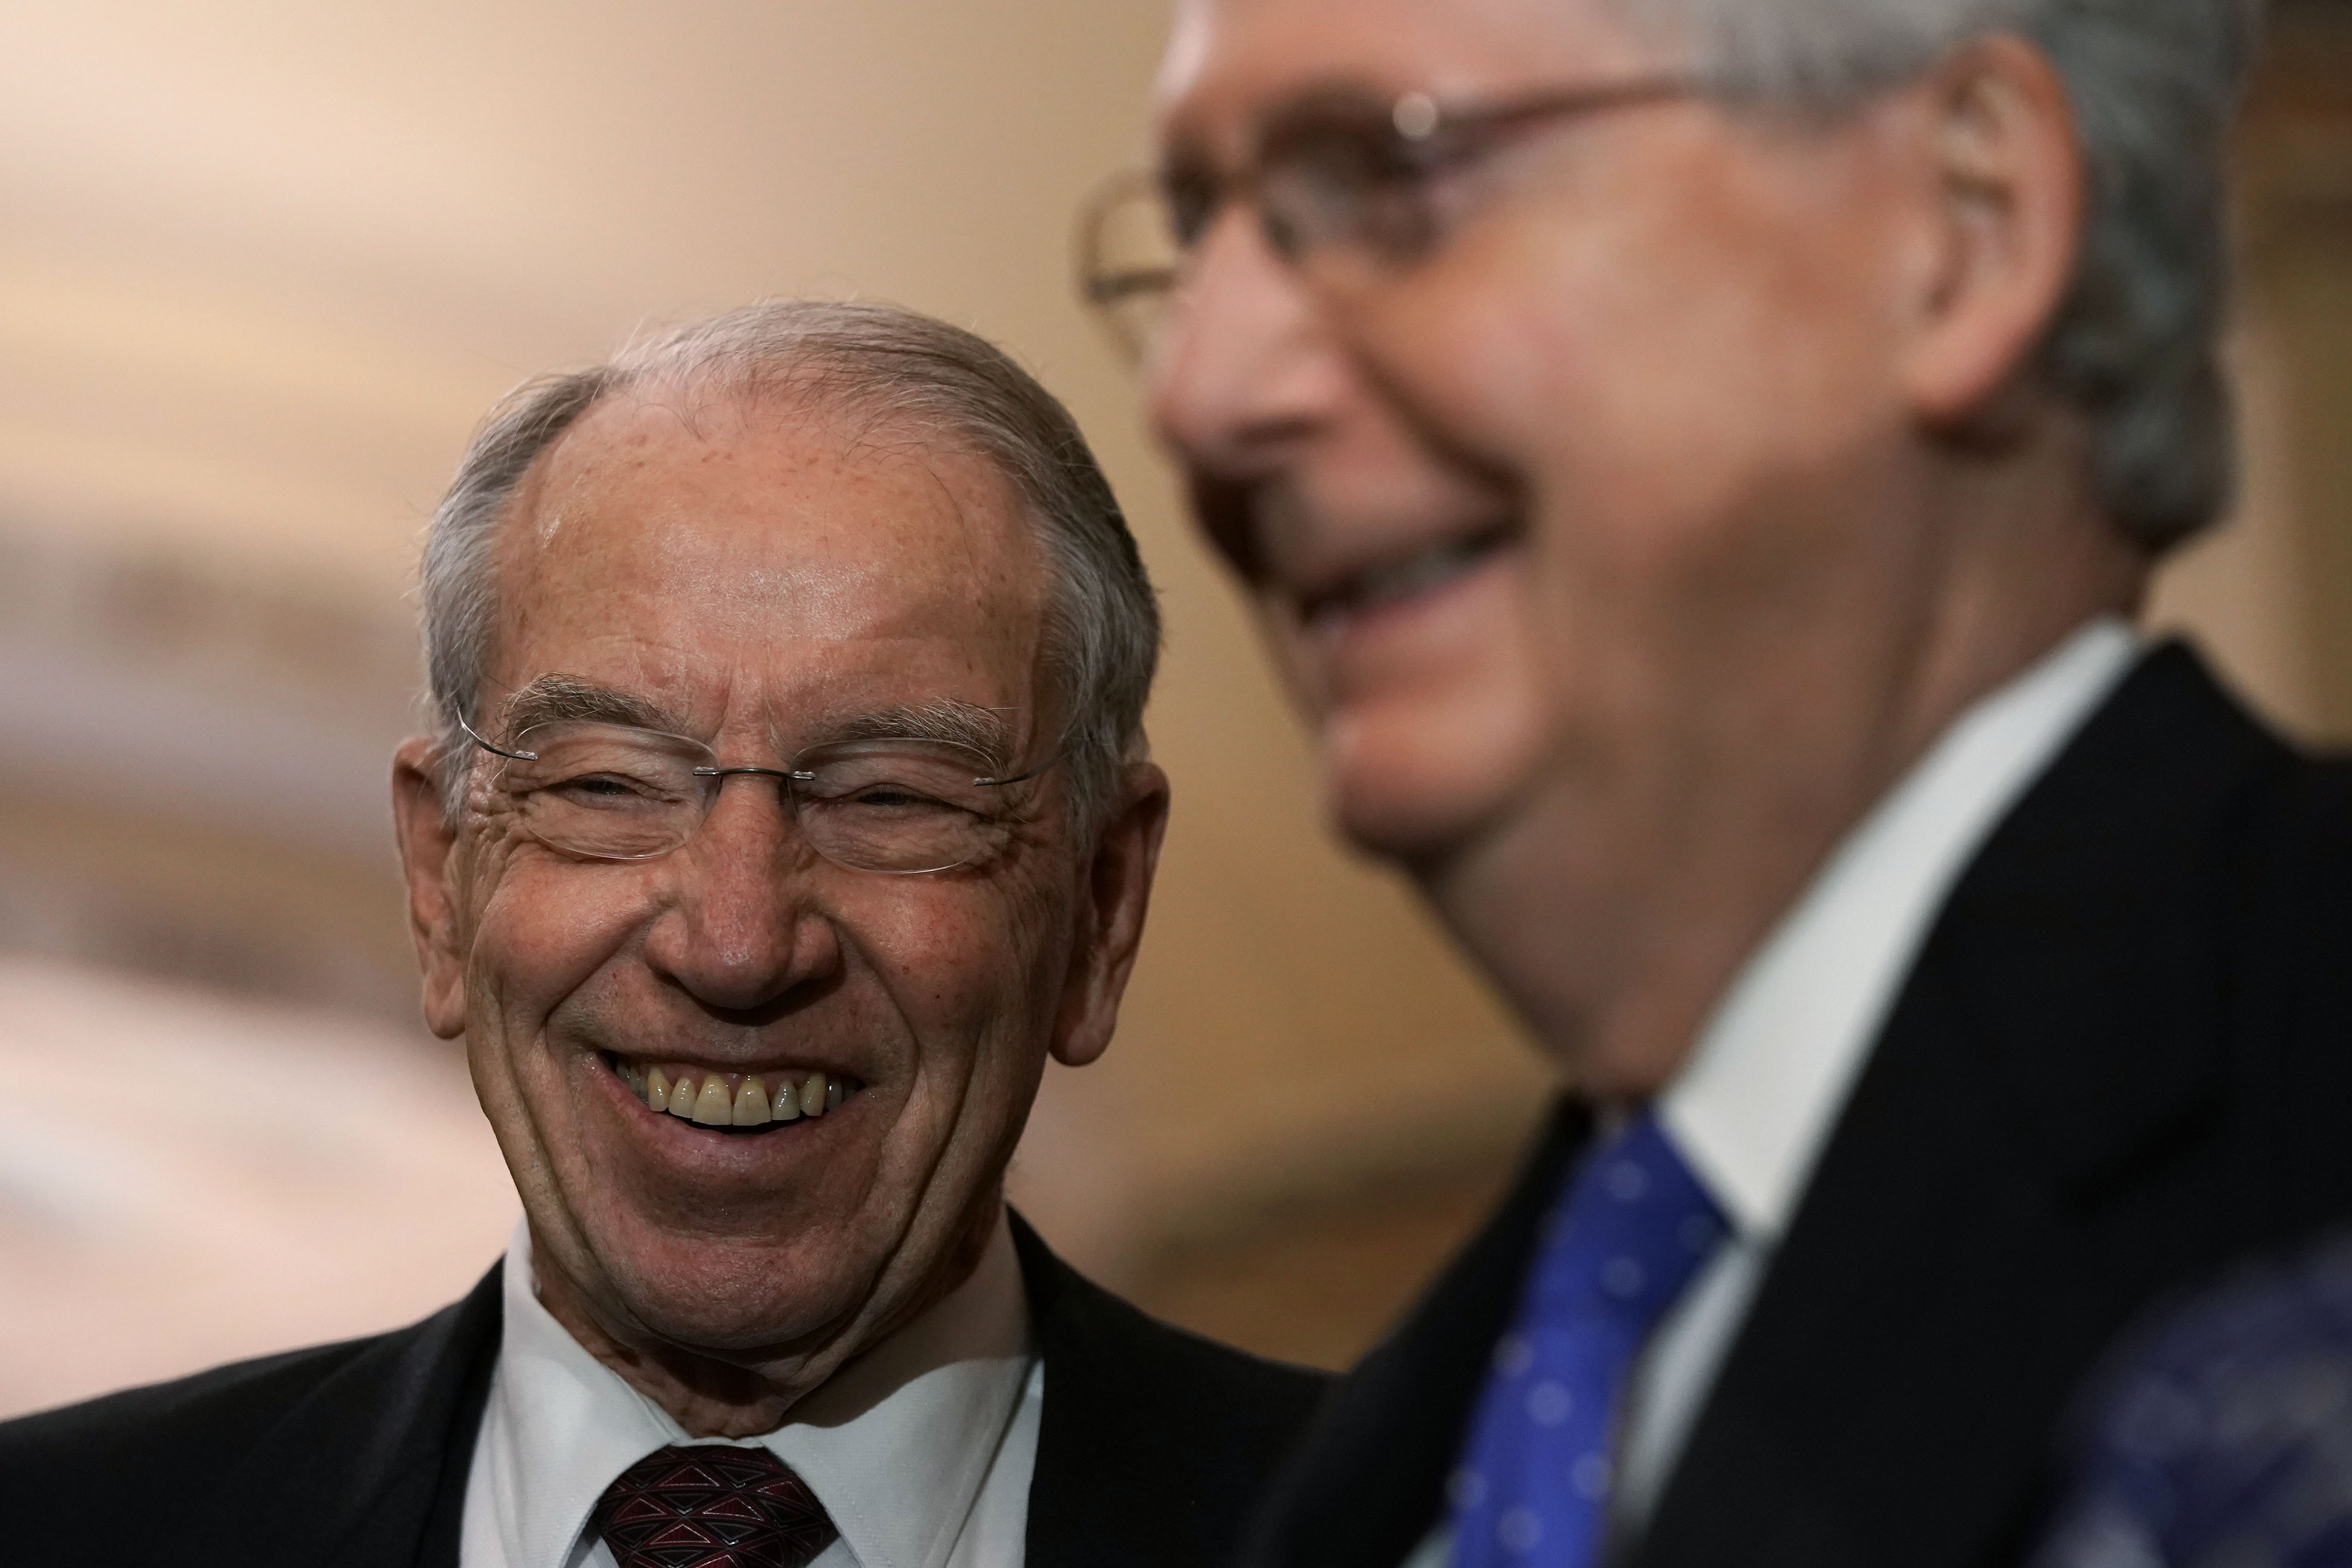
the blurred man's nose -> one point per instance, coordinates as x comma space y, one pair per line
1241, 368
743, 930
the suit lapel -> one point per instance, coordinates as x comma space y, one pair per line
1153, 1442
2007, 1181
369, 1470
1370, 1481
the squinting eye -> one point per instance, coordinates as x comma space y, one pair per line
892, 798
603, 790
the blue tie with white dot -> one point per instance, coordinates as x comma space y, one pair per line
1535, 1478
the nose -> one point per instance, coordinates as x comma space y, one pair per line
743, 929
1243, 374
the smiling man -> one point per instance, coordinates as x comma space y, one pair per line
1696, 463
789, 807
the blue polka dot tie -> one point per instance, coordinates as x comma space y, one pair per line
1536, 1472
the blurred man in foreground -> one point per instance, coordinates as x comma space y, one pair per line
1695, 462
789, 806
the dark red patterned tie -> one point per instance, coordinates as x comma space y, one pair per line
711, 1507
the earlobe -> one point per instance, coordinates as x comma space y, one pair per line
2008, 214
1118, 895
427, 848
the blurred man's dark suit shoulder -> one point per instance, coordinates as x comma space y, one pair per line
2121, 1058
1154, 1442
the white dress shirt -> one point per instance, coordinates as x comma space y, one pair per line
921, 1450
1752, 1108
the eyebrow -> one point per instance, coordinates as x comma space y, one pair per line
558, 698
946, 721
568, 699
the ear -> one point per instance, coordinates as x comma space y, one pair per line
2005, 223
428, 860
1110, 918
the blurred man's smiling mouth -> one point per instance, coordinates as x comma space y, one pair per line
762, 1102
1402, 579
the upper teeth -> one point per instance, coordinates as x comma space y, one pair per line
728, 1099
1416, 573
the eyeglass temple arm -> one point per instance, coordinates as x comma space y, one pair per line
476, 737
1018, 778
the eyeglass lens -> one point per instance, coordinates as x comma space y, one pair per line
611, 792
1338, 187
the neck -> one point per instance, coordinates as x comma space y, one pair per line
1614, 918
719, 1394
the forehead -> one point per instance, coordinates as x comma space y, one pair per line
1232, 58
669, 540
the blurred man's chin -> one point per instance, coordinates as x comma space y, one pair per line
1417, 780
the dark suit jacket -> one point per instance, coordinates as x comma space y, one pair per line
2123, 1056
1151, 1446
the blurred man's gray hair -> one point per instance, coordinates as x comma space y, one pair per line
2154, 85
899, 373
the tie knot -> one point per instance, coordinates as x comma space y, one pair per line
1633, 1228
711, 1506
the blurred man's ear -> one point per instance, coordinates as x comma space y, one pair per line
1110, 915
2007, 221
428, 844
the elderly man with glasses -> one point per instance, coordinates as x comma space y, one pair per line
789, 806
1696, 463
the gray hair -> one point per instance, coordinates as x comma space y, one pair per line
895, 369
2153, 84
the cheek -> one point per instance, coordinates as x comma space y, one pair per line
542, 930
1610, 348
963, 970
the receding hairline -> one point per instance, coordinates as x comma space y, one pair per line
865, 433
858, 414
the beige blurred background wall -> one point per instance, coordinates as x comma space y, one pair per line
262, 265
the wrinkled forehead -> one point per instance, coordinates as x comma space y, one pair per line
729, 531
1230, 61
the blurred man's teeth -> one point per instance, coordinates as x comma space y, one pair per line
1422, 573
1415, 574
710, 1100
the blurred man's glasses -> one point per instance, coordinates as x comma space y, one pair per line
1347, 189
614, 792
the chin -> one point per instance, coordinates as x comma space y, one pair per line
741, 1299
1417, 782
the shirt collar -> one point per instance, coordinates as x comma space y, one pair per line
1772, 1068
895, 1446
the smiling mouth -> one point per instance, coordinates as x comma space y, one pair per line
733, 1102
1404, 578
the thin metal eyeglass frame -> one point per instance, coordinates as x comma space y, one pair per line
476, 737
790, 777
1418, 117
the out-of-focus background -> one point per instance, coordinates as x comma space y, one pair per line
262, 265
